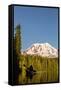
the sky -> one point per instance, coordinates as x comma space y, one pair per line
38, 25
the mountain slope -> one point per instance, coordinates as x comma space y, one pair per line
44, 50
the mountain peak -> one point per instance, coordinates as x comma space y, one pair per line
42, 49
47, 44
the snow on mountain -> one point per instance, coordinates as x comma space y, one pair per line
44, 50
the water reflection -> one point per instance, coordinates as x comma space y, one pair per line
36, 77
27, 74
30, 75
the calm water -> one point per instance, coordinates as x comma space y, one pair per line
38, 77
48, 72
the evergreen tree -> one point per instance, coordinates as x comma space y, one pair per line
18, 39
16, 54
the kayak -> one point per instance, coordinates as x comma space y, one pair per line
30, 73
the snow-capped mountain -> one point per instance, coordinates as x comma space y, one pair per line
44, 50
